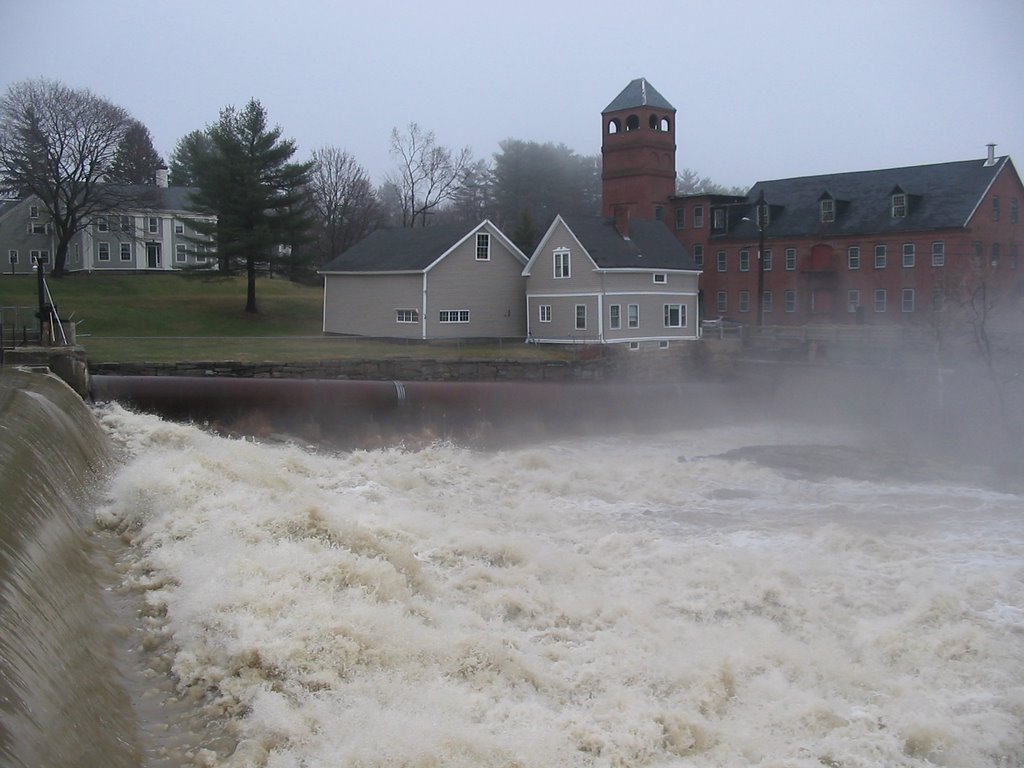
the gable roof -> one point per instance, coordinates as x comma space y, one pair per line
639, 93
404, 249
650, 244
939, 196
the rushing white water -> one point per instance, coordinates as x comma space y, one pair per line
628, 601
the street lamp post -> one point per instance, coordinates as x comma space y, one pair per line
761, 217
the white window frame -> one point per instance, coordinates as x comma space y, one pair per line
853, 258
153, 225
544, 313
852, 299
881, 256
38, 228
721, 261
406, 316
581, 317
562, 264
721, 302
126, 223
907, 300
453, 316
718, 218
633, 315
680, 217
675, 315
744, 260
615, 317
698, 255
743, 303
899, 205
125, 247
939, 253
766, 259
180, 253
12, 256
660, 278
909, 255
698, 217
828, 210
33, 211
102, 247
102, 225
789, 300
881, 297
790, 256
39, 257
766, 301
179, 227
483, 246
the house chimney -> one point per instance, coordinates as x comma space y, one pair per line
622, 220
161, 176
991, 154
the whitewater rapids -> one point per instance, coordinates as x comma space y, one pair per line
642, 600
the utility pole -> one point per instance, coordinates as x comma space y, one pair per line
762, 217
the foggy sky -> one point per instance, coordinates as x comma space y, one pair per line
762, 90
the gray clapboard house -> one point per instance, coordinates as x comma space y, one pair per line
594, 280
446, 281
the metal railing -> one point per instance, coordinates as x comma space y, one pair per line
19, 327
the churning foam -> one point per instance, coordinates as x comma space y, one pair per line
598, 602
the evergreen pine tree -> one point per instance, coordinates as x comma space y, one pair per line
244, 177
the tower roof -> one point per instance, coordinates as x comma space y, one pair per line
639, 93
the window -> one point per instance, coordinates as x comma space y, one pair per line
899, 205
721, 302
938, 254
698, 217
154, 225
662, 345
126, 251
40, 257
698, 255
766, 259
407, 316
1013, 255
880, 257
544, 313
659, 213
828, 210
744, 260
633, 315
179, 252
995, 207
179, 228
907, 300
37, 228
12, 256
102, 225
675, 315
995, 254
880, 299
744, 302
909, 255
977, 254
790, 259
561, 264
581, 317
483, 246
721, 261
660, 278
766, 301
790, 298
33, 211
718, 218
615, 316
1013, 210
680, 218
634, 345
454, 316
852, 300
127, 223
103, 251
853, 257
763, 215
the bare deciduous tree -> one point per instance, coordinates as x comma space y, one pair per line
428, 175
59, 143
344, 204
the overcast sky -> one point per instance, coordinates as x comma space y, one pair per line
762, 90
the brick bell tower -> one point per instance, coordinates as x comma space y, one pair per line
638, 148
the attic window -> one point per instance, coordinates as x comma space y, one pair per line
660, 278
483, 246
828, 210
899, 205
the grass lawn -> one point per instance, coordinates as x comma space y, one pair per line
172, 317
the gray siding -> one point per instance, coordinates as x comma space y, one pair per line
491, 290
366, 305
16, 236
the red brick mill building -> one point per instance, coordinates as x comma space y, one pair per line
891, 246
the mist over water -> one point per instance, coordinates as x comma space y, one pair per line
709, 597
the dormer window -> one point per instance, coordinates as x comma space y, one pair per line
718, 218
827, 210
899, 205
763, 215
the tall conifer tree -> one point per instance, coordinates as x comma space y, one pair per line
244, 176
